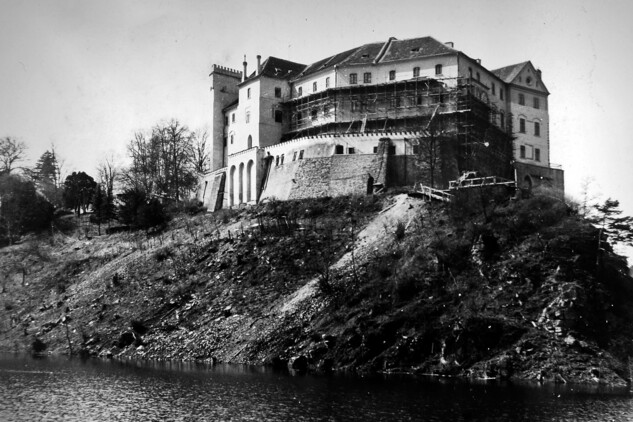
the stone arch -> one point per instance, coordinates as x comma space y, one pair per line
232, 186
527, 183
250, 142
249, 181
241, 182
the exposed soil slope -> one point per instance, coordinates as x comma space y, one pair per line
483, 288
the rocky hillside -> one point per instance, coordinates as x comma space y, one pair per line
485, 287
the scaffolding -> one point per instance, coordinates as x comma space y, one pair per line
459, 107
396, 106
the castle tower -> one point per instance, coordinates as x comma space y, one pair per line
224, 91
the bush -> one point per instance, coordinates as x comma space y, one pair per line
138, 326
400, 230
139, 212
163, 253
38, 346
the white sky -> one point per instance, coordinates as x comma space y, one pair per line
85, 75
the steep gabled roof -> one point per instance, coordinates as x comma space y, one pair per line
508, 73
415, 48
280, 68
382, 52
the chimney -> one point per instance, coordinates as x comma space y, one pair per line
244, 73
450, 44
259, 64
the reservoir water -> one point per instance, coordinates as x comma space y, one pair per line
61, 389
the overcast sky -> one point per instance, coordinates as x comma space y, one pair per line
84, 75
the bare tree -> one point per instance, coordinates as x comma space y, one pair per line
11, 151
200, 152
162, 163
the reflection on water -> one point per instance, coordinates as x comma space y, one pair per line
58, 389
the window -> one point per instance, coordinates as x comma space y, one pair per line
250, 142
521, 99
392, 75
351, 150
537, 102
522, 152
281, 161
416, 72
494, 89
294, 156
279, 116
353, 79
355, 105
503, 120
276, 160
367, 77
522, 125
478, 76
339, 149
391, 150
231, 139
375, 150
327, 82
438, 69
314, 87
501, 93
301, 155
233, 117
277, 92
248, 117
537, 129
537, 154
248, 93
313, 113
416, 149
418, 100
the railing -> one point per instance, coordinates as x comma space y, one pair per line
479, 181
433, 193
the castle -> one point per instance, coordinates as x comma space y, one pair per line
382, 114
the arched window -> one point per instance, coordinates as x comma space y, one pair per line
232, 187
339, 149
241, 181
250, 142
438, 69
249, 181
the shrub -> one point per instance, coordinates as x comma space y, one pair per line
163, 253
400, 230
38, 346
138, 326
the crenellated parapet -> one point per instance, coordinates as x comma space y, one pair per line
225, 71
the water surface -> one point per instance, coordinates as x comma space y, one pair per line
59, 389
